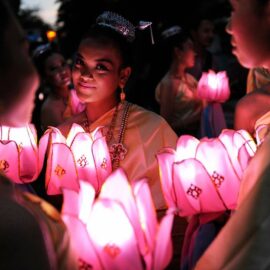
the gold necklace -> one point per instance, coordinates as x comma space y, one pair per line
117, 150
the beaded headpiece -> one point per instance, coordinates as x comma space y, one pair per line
169, 32
117, 23
41, 49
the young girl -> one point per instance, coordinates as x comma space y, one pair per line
177, 91
61, 101
244, 241
101, 70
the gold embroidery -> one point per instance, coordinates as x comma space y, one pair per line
104, 164
59, 171
194, 191
217, 179
84, 265
4, 165
83, 161
112, 250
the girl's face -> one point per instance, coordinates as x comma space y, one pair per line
250, 30
57, 71
97, 72
18, 77
187, 54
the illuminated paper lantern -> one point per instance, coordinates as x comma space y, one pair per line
19, 153
204, 176
79, 156
214, 89
121, 225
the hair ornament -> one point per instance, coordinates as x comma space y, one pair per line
117, 23
143, 25
171, 31
41, 49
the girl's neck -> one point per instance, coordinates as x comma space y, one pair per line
95, 110
177, 71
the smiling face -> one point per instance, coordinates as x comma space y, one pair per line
56, 71
250, 30
97, 72
18, 77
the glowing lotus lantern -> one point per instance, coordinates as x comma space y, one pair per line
214, 88
119, 229
19, 153
204, 176
80, 156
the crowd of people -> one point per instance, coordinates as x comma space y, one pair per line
94, 94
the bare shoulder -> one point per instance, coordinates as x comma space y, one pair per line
256, 100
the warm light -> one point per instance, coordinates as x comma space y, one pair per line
109, 224
81, 156
118, 229
212, 81
208, 181
51, 35
19, 153
214, 87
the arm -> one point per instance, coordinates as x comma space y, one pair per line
167, 95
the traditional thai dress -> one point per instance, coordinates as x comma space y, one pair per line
187, 107
145, 133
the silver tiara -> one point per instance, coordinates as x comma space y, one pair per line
41, 49
117, 23
174, 30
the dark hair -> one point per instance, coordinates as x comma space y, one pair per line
168, 43
107, 35
176, 40
4, 20
41, 54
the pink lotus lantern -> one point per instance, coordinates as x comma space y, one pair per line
80, 156
214, 88
119, 229
19, 153
204, 176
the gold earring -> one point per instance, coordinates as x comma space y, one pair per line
122, 95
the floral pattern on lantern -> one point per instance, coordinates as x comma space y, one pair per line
119, 228
204, 176
214, 89
79, 156
19, 153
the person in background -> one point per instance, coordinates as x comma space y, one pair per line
177, 91
60, 100
202, 33
32, 234
243, 242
